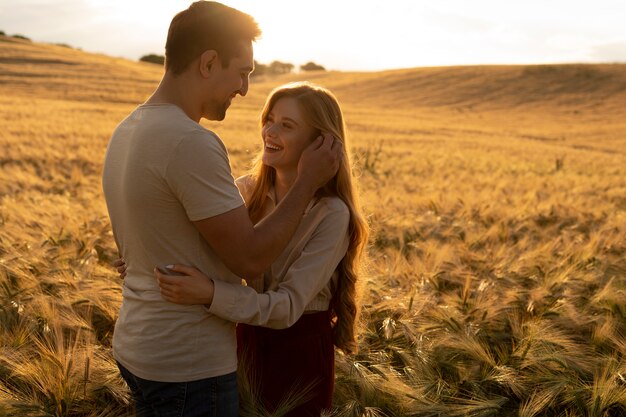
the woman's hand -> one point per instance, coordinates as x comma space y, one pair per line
193, 287
120, 265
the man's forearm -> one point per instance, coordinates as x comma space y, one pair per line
273, 233
249, 250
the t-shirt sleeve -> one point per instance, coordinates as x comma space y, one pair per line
198, 172
305, 278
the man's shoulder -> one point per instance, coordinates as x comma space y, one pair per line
169, 121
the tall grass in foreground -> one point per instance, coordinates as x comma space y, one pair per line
485, 304
491, 325
57, 310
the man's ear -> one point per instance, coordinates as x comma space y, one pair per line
207, 60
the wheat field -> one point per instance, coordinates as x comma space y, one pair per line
496, 281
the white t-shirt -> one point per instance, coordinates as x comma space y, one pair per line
162, 171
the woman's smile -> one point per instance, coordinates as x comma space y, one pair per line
272, 147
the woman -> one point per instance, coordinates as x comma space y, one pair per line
319, 267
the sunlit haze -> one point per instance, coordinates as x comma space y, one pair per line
363, 35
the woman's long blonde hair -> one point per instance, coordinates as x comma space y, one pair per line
321, 110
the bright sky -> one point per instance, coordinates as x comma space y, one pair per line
364, 35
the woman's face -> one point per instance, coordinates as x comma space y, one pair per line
285, 135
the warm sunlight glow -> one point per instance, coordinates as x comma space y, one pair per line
337, 34
495, 273
350, 34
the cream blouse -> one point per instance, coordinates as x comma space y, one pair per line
302, 278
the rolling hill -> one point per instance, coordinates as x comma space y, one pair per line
61, 72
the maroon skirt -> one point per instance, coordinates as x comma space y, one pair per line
297, 362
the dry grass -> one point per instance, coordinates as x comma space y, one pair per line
497, 197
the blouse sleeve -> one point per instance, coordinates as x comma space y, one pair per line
306, 277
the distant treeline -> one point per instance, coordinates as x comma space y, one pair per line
17, 36
25, 38
274, 68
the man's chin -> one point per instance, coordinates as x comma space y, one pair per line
222, 113
216, 117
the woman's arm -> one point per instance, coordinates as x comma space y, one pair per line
192, 288
281, 308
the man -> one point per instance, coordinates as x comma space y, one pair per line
172, 199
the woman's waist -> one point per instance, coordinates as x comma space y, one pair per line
309, 323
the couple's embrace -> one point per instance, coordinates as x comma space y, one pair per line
292, 228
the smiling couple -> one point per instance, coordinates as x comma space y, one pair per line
292, 228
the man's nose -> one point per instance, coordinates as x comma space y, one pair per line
244, 87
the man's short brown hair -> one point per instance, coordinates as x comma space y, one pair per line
207, 25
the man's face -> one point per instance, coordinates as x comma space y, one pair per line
230, 81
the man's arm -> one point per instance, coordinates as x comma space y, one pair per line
248, 250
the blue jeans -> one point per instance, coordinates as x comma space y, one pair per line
210, 397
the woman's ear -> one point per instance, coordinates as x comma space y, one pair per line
206, 62
316, 133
